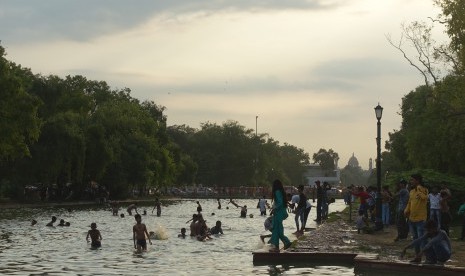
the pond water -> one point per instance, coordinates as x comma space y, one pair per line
41, 250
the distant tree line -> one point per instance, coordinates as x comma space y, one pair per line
72, 133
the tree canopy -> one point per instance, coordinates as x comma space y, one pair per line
19, 120
432, 132
77, 134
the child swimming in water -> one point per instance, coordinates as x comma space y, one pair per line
54, 219
183, 233
94, 235
215, 230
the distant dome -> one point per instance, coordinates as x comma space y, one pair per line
353, 162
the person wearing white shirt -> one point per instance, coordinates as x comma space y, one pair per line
434, 207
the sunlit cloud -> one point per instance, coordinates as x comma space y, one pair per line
311, 70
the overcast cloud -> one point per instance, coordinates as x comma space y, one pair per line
311, 70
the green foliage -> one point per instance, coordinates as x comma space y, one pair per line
78, 131
433, 178
351, 175
326, 159
19, 121
432, 135
453, 15
73, 130
396, 157
231, 155
433, 132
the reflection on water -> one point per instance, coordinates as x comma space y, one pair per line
41, 250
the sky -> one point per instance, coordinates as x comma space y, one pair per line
311, 70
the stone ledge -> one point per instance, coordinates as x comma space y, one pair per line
362, 263
307, 257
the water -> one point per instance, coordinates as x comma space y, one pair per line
41, 250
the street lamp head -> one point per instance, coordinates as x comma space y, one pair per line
379, 112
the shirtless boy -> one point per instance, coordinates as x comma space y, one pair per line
94, 235
139, 232
183, 233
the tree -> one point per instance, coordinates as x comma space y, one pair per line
433, 129
134, 153
293, 161
351, 175
326, 159
396, 157
19, 119
182, 145
224, 154
417, 35
74, 130
453, 16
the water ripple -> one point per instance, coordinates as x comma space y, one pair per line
42, 250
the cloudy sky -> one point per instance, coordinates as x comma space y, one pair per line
311, 70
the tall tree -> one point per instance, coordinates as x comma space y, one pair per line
19, 121
326, 159
453, 16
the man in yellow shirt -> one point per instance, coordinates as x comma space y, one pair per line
416, 210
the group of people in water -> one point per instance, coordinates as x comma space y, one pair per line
52, 222
423, 214
198, 227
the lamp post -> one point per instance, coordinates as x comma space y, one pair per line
379, 114
256, 124
256, 152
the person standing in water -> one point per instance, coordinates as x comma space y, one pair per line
158, 207
94, 235
279, 214
262, 206
139, 233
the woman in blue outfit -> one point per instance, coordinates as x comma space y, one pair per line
279, 214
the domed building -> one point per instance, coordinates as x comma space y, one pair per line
353, 161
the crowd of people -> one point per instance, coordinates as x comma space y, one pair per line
421, 212
282, 204
297, 204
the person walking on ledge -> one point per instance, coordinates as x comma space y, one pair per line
279, 214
